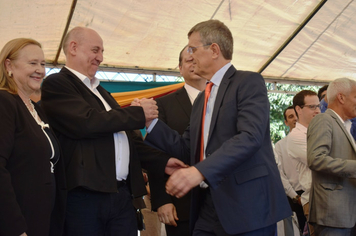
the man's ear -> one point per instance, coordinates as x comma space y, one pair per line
72, 47
285, 122
180, 70
340, 97
215, 49
298, 109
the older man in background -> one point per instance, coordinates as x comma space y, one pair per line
174, 110
332, 159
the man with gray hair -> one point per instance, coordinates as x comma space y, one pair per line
235, 183
332, 159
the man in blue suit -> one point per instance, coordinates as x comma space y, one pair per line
236, 187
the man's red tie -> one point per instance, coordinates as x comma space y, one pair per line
207, 95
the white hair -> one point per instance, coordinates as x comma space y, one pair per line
341, 85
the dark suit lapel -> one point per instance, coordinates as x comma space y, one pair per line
220, 96
107, 97
64, 70
195, 126
101, 90
342, 126
184, 101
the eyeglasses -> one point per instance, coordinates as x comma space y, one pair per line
312, 107
192, 50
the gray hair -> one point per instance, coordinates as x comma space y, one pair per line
214, 31
341, 85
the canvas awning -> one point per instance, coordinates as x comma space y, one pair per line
290, 41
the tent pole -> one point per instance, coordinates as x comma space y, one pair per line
70, 16
291, 37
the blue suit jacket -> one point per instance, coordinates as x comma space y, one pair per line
240, 167
174, 110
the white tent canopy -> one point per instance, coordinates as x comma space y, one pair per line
298, 41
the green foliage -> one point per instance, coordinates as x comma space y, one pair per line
279, 101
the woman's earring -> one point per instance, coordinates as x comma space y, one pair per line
10, 74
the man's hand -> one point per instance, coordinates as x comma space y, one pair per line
167, 214
136, 102
174, 164
183, 180
150, 108
23, 234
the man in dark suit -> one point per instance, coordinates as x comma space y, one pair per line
236, 188
102, 154
174, 110
332, 159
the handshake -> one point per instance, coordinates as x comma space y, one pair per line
149, 108
182, 177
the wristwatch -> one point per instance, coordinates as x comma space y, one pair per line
296, 199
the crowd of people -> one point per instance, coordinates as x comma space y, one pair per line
316, 159
72, 163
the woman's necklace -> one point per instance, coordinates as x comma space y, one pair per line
33, 112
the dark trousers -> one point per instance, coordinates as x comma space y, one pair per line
321, 230
182, 229
91, 213
208, 223
298, 209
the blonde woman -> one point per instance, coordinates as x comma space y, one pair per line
32, 189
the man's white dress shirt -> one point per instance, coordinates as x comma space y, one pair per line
287, 169
297, 149
192, 92
122, 148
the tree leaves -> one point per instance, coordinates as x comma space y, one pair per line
279, 101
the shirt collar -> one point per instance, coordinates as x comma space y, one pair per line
346, 123
218, 76
337, 116
90, 83
192, 92
301, 127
